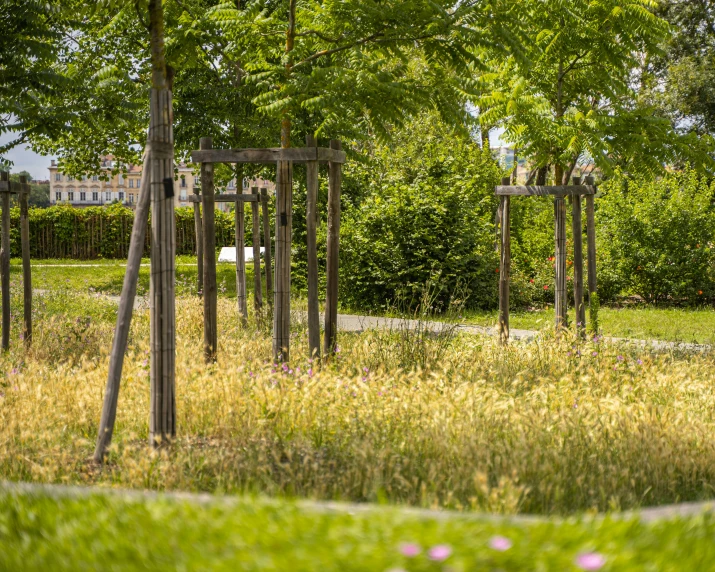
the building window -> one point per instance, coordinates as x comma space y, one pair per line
70, 196
58, 195
131, 198
95, 196
95, 177
196, 180
131, 183
183, 194
58, 177
231, 184
245, 183
82, 196
121, 180
108, 196
121, 195
183, 182
70, 179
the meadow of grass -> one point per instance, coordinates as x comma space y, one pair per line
549, 427
110, 533
636, 322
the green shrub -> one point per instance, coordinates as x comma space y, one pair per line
420, 212
656, 238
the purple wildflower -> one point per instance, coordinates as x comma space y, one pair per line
500, 543
410, 549
590, 561
439, 552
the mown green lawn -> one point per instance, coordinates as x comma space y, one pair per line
108, 533
641, 322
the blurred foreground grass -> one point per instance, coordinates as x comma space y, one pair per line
108, 533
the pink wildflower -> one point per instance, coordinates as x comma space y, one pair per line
439, 552
590, 561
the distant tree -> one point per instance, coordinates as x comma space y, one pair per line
39, 193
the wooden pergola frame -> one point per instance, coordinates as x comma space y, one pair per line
312, 156
505, 191
22, 189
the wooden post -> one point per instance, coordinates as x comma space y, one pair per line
162, 420
240, 219
124, 314
591, 249
311, 178
198, 227
333, 248
281, 294
577, 229
5, 264
560, 255
504, 265
209, 270
256, 238
267, 245
26, 269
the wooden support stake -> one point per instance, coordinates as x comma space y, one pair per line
240, 235
162, 311
124, 314
560, 255
26, 269
577, 229
198, 227
504, 267
281, 294
5, 265
209, 231
267, 245
256, 238
333, 248
311, 177
591, 249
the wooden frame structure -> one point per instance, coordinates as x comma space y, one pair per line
312, 156
22, 189
576, 191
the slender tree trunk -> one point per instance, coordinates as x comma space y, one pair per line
541, 175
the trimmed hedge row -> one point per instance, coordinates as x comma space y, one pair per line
63, 231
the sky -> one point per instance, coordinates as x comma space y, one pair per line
25, 159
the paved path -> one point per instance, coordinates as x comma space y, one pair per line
358, 323
648, 514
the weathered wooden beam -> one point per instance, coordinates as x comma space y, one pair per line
26, 270
209, 229
162, 299
283, 234
228, 198
270, 155
591, 253
540, 190
577, 230
256, 242
332, 258
240, 236
560, 261
267, 245
504, 267
14, 187
5, 264
311, 222
198, 228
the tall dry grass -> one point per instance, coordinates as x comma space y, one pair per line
542, 427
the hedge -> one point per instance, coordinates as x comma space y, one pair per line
63, 231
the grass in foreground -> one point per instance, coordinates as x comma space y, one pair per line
108, 533
456, 422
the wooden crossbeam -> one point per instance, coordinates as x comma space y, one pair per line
270, 155
540, 190
226, 198
14, 187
